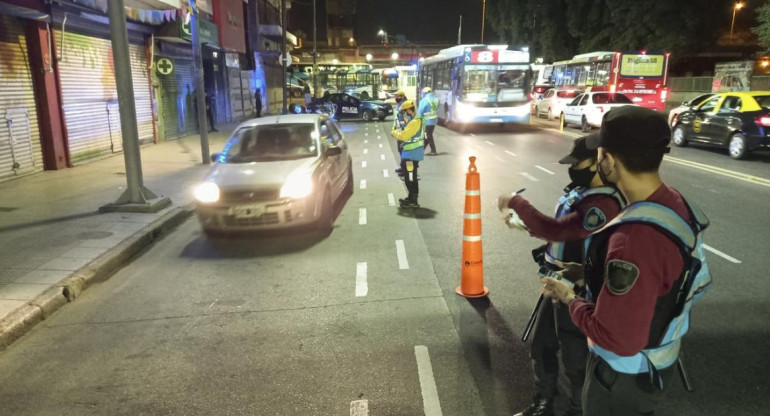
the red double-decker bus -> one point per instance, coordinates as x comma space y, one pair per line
640, 75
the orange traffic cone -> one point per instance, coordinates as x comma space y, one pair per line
472, 283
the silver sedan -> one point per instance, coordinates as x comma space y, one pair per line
277, 172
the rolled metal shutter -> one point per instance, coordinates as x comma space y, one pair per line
20, 149
234, 84
176, 98
90, 98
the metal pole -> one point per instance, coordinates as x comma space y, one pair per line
732, 24
315, 54
135, 192
483, 18
199, 93
460, 31
283, 53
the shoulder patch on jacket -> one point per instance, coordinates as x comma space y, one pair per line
620, 276
594, 219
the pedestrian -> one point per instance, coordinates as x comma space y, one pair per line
258, 102
399, 123
412, 151
308, 96
429, 111
640, 275
210, 106
585, 207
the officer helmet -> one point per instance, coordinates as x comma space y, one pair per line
407, 105
426, 90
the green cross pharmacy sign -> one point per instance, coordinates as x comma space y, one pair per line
164, 66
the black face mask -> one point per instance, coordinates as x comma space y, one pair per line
581, 177
604, 176
398, 100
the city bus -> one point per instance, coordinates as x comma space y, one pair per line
407, 80
478, 84
640, 75
353, 78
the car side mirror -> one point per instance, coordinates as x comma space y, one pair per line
333, 151
686, 104
215, 157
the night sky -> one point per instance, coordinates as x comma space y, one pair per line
422, 21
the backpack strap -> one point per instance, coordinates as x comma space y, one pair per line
660, 216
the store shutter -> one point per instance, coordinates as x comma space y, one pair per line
20, 150
236, 101
177, 97
89, 95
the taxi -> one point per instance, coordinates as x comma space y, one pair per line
738, 121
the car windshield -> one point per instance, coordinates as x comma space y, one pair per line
269, 143
494, 83
763, 101
610, 99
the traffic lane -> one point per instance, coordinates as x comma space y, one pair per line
508, 270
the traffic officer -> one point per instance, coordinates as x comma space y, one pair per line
633, 271
586, 206
399, 123
412, 151
429, 111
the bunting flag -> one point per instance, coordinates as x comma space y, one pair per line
151, 17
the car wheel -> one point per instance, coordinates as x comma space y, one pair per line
679, 136
367, 115
738, 146
296, 93
326, 219
584, 126
550, 114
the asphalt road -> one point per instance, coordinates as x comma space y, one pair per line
367, 321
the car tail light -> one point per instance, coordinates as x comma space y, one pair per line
763, 121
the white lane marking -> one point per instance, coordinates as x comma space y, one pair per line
473, 134
430, 402
499, 159
362, 216
544, 169
512, 154
380, 145
530, 177
366, 134
379, 137
362, 288
363, 163
403, 263
359, 408
385, 173
382, 156
363, 184
721, 254
391, 200
489, 143
366, 141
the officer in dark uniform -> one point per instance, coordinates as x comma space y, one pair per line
584, 208
633, 272
210, 111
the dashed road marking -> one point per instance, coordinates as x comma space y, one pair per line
362, 216
544, 170
362, 288
727, 257
362, 185
510, 153
359, 408
382, 156
720, 171
363, 163
489, 143
430, 402
530, 177
366, 151
366, 141
499, 159
403, 263
391, 200
380, 145
385, 173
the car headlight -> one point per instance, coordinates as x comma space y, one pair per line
297, 186
207, 192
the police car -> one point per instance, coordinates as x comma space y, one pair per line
738, 121
349, 107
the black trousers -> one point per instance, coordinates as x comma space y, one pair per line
259, 110
410, 179
429, 138
546, 343
210, 116
610, 393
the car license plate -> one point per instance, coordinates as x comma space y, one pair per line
496, 120
247, 211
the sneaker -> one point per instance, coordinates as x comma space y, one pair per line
403, 200
410, 204
540, 407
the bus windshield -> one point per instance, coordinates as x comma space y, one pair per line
494, 83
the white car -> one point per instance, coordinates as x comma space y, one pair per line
553, 101
276, 172
673, 115
587, 109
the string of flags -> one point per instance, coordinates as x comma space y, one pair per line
152, 17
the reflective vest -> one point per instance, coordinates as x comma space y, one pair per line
398, 120
416, 141
433, 104
671, 320
572, 251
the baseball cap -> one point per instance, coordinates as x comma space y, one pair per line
631, 130
579, 152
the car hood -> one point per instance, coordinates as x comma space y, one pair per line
376, 102
257, 175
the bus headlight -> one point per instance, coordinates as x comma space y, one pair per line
207, 192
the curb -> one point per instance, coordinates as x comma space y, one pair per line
23, 319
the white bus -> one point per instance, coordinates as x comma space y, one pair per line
407, 80
479, 84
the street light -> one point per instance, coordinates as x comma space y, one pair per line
368, 57
335, 61
739, 5
384, 36
394, 56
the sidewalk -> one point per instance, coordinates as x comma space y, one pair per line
54, 242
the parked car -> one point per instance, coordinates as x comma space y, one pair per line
276, 172
348, 106
739, 121
673, 115
553, 101
587, 109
